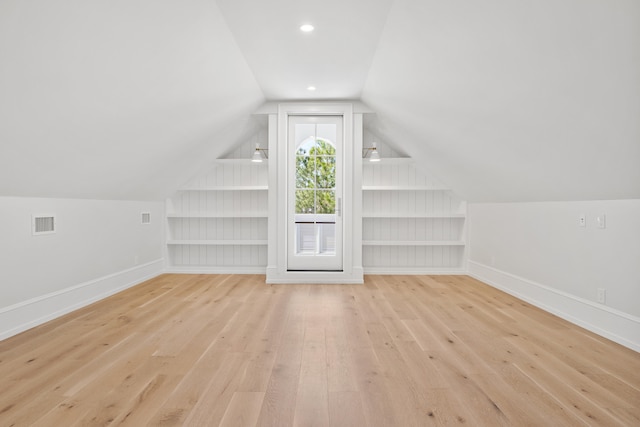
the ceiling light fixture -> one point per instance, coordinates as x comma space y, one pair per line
375, 156
311, 88
306, 28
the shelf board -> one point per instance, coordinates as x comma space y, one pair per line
219, 215
389, 161
218, 242
413, 243
241, 162
413, 215
228, 188
402, 188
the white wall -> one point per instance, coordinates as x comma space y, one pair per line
100, 247
540, 253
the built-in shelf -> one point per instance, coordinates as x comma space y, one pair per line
385, 161
402, 188
247, 161
228, 188
218, 215
412, 243
413, 215
412, 222
218, 222
218, 242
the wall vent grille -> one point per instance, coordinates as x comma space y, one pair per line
43, 224
146, 217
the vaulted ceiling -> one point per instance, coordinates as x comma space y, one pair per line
502, 100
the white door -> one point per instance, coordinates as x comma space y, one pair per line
314, 212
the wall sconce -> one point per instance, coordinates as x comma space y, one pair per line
374, 156
257, 155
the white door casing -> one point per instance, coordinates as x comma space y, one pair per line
277, 268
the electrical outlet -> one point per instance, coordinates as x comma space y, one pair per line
602, 296
601, 220
582, 220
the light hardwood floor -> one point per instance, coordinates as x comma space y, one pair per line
229, 350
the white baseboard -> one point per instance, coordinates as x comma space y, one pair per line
413, 271
214, 270
36, 311
613, 324
315, 277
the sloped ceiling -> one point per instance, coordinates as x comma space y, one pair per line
502, 100
514, 100
116, 99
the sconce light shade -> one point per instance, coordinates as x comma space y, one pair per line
374, 156
257, 155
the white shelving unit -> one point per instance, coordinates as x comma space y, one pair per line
411, 223
217, 223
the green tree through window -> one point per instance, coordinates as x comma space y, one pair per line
316, 177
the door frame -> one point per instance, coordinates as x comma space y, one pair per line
351, 201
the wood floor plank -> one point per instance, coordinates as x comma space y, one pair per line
481, 408
518, 408
279, 402
409, 399
340, 372
375, 393
213, 403
397, 351
564, 385
243, 410
312, 398
345, 409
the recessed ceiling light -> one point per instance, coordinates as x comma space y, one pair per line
307, 28
311, 88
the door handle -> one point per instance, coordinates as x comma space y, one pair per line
339, 206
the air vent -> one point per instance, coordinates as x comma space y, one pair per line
146, 217
43, 224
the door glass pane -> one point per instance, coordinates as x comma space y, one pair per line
305, 136
326, 204
305, 172
326, 132
305, 204
306, 239
326, 172
323, 147
315, 196
327, 239
307, 147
